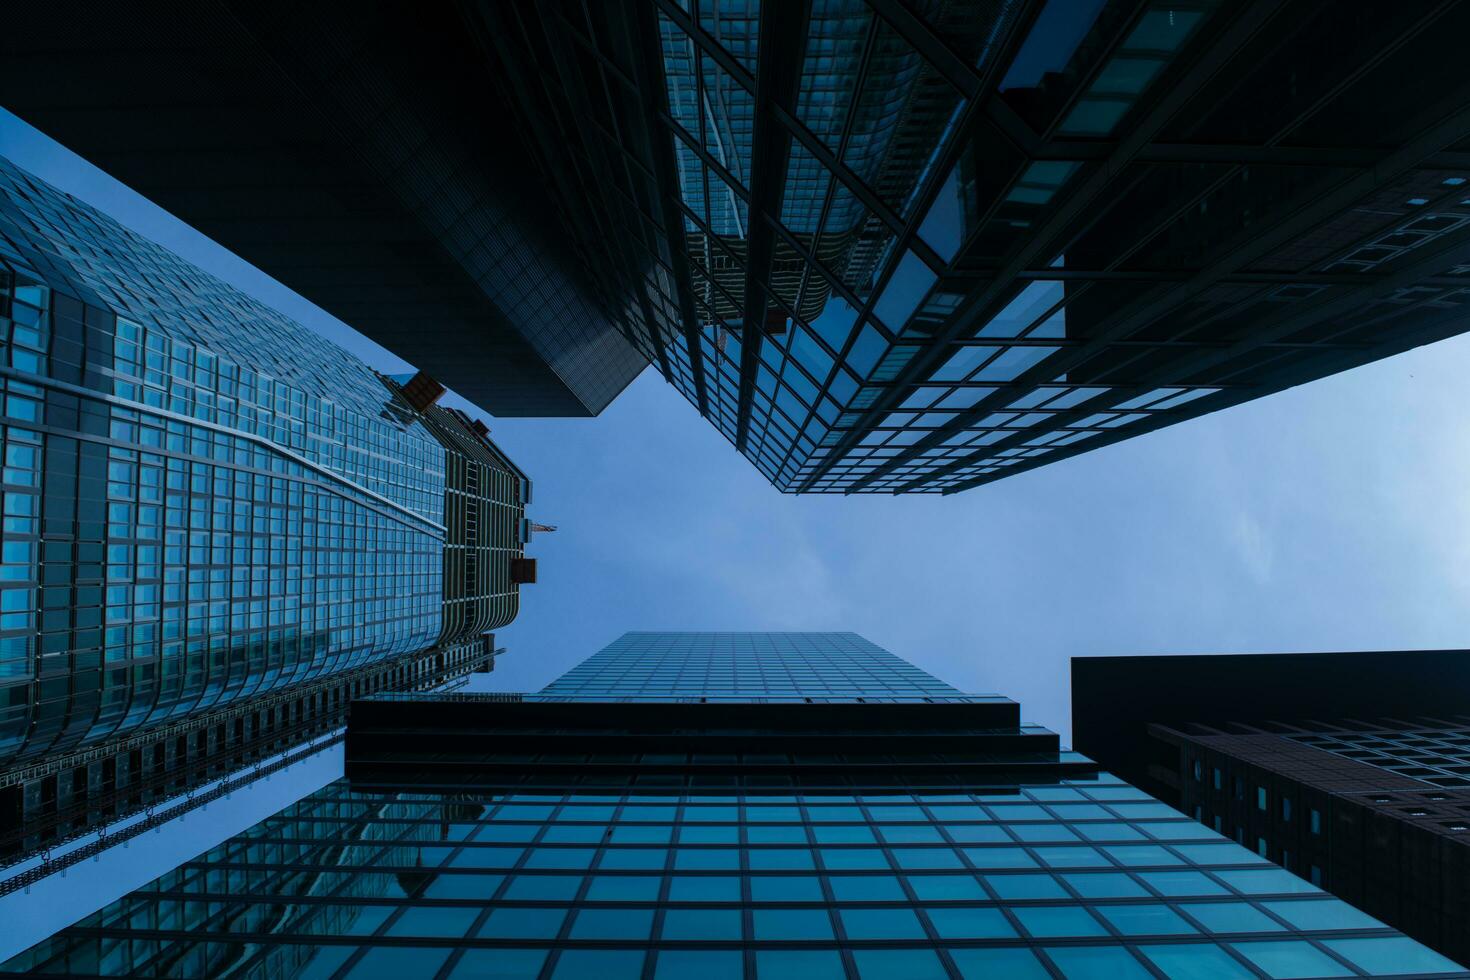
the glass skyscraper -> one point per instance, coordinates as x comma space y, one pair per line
884, 247
918, 247
621, 825
206, 505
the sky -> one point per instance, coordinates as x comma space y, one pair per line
1334, 516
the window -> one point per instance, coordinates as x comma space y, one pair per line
1314, 820
881, 924
1261, 798
1219, 778
701, 924
1286, 808
1227, 917
1198, 771
969, 923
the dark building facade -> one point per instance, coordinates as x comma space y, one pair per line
922, 246
219, 528
736, 806
883, 247
358, 154
1350, 769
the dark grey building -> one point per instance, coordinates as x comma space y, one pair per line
218, 527
884, 247
730, 806
1350, 769
360, 154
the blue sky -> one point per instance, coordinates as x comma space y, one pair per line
1333, 516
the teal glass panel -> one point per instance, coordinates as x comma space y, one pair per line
899, 964
1290, 959
971, 923
1013, 963
799, 964
704, 964
499, 964
710, 924
1196, 961
598, 964
1389, 955
1097, 963
398, 963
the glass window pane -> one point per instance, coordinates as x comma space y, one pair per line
623, 888
867, 888
1290, 959
704, 888
786, 888
499, 964
1145, 920
1050, 921
701, 924
881, 924
612, 924
544, 888
947, 888
1097, 963
990, 964
799, 964
523, 923
706, 964
598, 964
1232, 917
1390, 954
975, 923
792, 924
1196, 961
1329, 914
1105, 886
899, 964
399, 963
450, 923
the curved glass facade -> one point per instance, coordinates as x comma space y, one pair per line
202, 499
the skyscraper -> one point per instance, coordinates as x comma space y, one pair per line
776, 806
923, 246
1350, 769
883, 247
219, 528
359, 155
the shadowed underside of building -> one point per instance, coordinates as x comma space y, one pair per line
358, 153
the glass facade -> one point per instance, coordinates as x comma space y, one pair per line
203, 501
747, 666
933, 864
919, 247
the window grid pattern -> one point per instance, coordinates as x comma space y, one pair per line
1438, 756
748, 666
202, 500
1069, 879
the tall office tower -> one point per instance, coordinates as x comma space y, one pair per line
219, 528
884, 247
358, 153
730, 806
1350, 769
